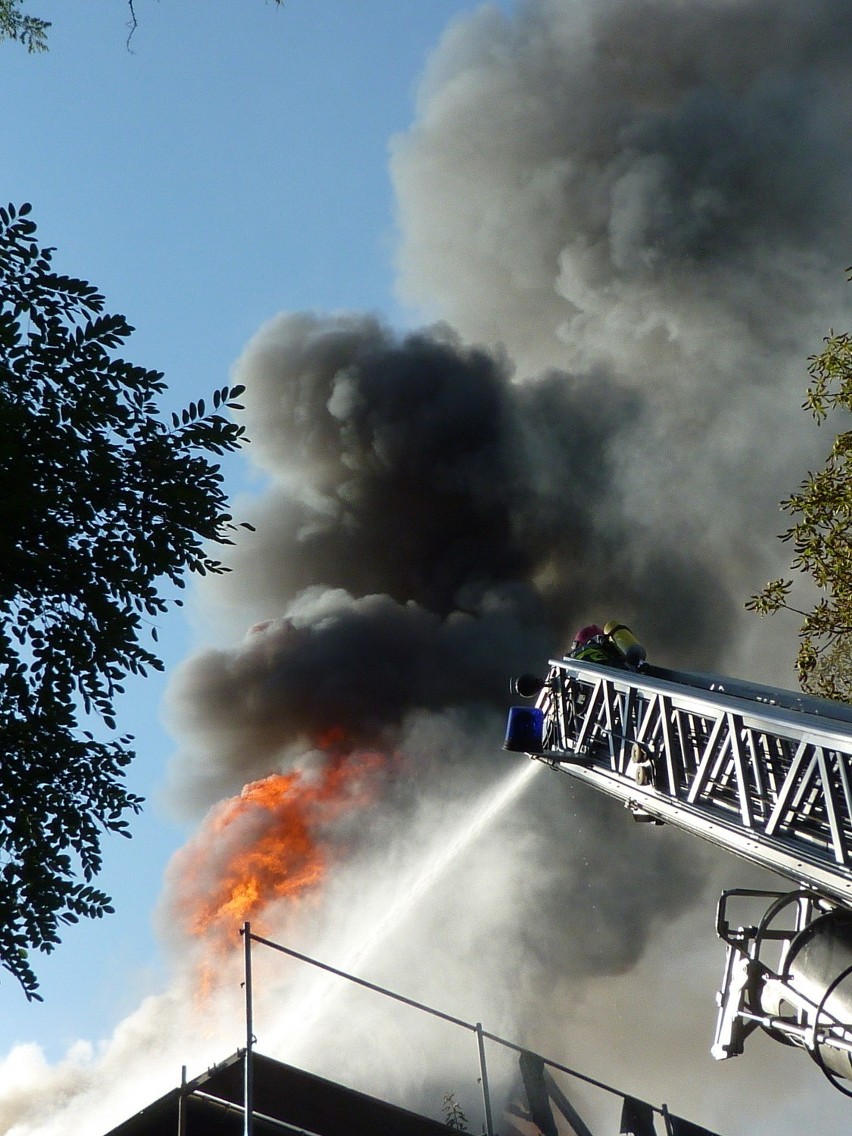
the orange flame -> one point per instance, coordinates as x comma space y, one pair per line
266, 845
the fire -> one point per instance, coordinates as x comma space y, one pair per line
266, 845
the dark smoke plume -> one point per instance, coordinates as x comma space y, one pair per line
434, 528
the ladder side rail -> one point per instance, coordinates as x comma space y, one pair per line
755, 742
693, 732
781, 775
719, 789
589, 720
709, 758
846, 789
743, 784
557, 723
630, 710
783, 803
647, 728
778, 758
609, 724
769, 720
833, 807
802, 800
670, 747
684, 727
663, 721
631, 713
762, 715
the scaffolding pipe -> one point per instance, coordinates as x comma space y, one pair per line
483, 1074
248, 1078
481, 1033
181, 1123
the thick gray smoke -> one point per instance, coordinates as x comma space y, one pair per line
673, 170
433, 529
660, 188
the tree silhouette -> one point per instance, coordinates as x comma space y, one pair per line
28, 30
102, 504
31, 31
821, 536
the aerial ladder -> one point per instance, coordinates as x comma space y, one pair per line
763, 773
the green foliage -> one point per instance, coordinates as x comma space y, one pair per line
454, 1116
821, 537
28, 30
32, 31
101, 503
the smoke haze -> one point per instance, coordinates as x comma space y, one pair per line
624, 222
659, 188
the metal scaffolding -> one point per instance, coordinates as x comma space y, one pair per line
674, 1125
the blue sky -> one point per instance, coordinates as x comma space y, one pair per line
232, 164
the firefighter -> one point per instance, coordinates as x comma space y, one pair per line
593, 645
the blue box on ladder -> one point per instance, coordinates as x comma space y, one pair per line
525, 730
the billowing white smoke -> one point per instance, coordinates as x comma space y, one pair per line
630, 217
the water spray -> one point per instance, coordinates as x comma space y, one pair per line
303, 1015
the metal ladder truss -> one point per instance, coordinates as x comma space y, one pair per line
769, 784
